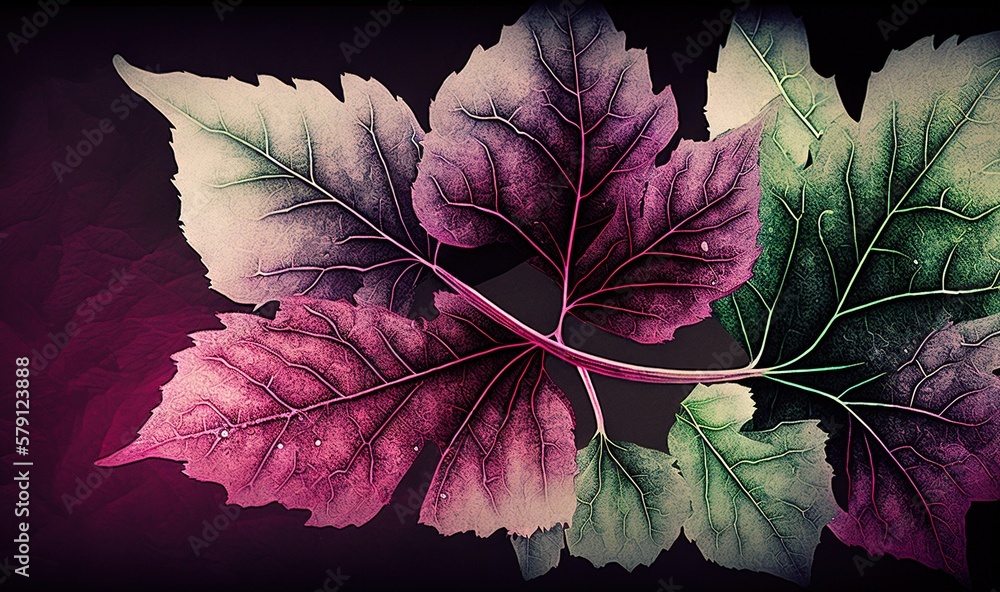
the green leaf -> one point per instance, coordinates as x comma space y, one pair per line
766, 57
760, 499
631, 503
540, 552
892, 229
891, 234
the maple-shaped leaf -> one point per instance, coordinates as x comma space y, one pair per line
631, 504
891, 232
548, 140
760, 498
286, 190
540, 552
327, 406
921, 450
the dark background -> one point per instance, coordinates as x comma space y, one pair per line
117, 210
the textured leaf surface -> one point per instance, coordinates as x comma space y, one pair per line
548, 140
661, 260
892, 231
631, 503
761, 498
289, 191
327, 406
766, 57
540, 552
921, 450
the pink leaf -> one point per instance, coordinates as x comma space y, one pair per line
926, 448
326, 407
548, 140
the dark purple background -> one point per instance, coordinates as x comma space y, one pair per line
61, 241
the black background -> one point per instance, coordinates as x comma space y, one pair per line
412, 56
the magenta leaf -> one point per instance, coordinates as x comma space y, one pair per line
289, 191
327, 406
549, 139
926, 447
691, 239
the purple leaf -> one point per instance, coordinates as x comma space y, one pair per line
327, 406
925, 448
548, 140
690, 239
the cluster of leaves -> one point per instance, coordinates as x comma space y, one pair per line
882, 231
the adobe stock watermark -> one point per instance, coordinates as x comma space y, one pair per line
86, 312
6, 569
668, 585
334, 581
363, 35
382, 18
121, 107
710, 32
223, 6
212, 529
414, 499
88, 484
898, 17
35, 22
863, 562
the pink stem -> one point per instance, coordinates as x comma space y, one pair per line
591, 362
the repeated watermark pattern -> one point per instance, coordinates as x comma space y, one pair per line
89, 483
7, 570
414, 499
223, 6
898, 17
212, 529
32, 24
364, 34
863, 562
711, 31
334, 581
122, 107
86, 312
